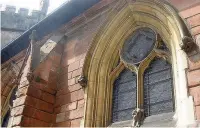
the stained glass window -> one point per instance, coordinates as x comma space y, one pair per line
138, 47
158, 90
7, 116
157, 79
124, 96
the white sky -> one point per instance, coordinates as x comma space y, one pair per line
32, 4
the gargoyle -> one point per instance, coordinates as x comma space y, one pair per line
138, 117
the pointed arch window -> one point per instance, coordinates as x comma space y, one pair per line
9, 104
147, 80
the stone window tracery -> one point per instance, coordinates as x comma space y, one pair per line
148, 65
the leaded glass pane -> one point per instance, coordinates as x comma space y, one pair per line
6, 119
158, 90
124, 96
139, 45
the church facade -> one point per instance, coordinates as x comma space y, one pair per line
106, 63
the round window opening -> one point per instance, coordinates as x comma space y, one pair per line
139, 45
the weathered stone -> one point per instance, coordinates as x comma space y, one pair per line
76, 122
60, 117
62, 124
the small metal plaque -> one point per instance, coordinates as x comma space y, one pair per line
139, 45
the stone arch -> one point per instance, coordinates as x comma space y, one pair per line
103, 56
6, 106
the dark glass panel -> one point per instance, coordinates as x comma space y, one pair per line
163, 46
6, 119
139, 45
124, 115
162, 107
124, 96
158, 90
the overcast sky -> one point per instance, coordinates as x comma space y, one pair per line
32, 4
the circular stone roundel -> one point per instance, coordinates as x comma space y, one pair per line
138, 46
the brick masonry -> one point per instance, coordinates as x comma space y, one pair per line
58, 100
69, 106
34, 105
192, 17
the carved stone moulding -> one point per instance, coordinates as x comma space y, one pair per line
188, 44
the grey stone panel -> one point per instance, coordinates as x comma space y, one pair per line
16, 21
23, 11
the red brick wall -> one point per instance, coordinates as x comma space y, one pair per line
183, 4
70, 95
192, 17
58, 100
69, 105
34, 106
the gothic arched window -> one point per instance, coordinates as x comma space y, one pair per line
9, 105
151, 90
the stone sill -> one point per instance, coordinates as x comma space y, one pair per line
161, 120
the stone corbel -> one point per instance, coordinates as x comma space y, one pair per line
188, 44
138, 117
82, 81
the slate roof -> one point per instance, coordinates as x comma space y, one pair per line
62, 15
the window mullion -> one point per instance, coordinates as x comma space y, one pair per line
140, 99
